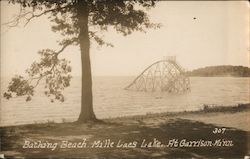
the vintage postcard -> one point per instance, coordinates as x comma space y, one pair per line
124, 79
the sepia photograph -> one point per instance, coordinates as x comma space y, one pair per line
113, 79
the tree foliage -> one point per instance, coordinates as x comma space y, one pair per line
224, 70
53, 70
122, 15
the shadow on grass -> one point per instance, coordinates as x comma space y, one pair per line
176, 128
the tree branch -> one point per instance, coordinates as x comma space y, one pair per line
99, 39
53, 66
45, 12
66, 44
28, 16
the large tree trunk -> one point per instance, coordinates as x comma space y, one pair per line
87, 112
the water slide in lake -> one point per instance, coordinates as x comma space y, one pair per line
164, 75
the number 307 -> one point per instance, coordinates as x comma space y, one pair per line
219, 130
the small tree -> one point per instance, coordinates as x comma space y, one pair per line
78, 21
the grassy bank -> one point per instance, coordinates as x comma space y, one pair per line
188, 126
206, 109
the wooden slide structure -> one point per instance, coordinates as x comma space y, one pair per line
164, 75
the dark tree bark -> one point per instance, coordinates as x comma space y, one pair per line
87, 112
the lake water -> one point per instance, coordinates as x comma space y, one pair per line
111, 100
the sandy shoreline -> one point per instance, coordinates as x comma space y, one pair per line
196, 134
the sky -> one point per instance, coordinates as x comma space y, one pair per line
199, 34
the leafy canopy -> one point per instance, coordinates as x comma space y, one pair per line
122, 15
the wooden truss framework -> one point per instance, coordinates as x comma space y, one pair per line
164, 75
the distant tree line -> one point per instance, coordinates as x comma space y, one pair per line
224, 70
